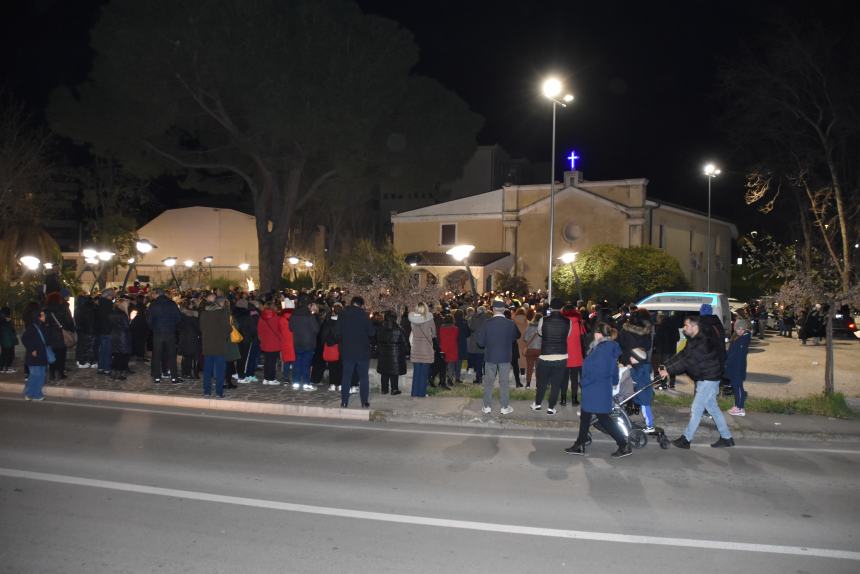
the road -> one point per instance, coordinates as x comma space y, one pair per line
102, 488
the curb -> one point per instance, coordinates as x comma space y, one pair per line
279, 409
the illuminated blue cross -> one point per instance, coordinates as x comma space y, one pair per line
573, 157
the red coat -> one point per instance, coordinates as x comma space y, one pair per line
448, 342
288, 351
269, 331
574, 339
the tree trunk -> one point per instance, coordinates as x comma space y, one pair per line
828, 345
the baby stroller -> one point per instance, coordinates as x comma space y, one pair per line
621, 419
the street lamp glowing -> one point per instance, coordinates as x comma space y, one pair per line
567, 98
208, 259
188, 263
105, 255
293, 260
131, 260
91, 260
89, 253
244, 266
49, 266
711, 170
309, 264
568, 257
30, 262
169, 262
460, 252
551, 87
144, 246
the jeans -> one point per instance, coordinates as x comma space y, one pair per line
361, 366
738, 392
706, 398
420, 372
554, 374
302, 367
288, 371
504, 372
213, 365
35, 382
104, 352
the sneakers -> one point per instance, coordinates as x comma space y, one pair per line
736, 412
682, 442
625, 450
83, 365
353, 390
332, 388
648, 430
507, 410
297, 386
309, 387
723, 443
550, 411
396, 391
576, 448
535, 407
271, 382
251, 379
156, 381
245, 381
486, 410
235, 376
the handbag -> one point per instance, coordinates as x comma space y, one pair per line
235, 335
70, 338
49, 352
331, 353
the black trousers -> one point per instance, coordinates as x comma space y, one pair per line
270, 365
573, 373
190, 366
552, 374
389, 381
515, 365
7, 356
119, 362
605, 421
163, 355
58, 367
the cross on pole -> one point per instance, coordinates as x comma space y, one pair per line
573, 157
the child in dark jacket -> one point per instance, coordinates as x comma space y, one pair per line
736, 365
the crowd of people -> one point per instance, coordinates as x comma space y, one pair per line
567, 351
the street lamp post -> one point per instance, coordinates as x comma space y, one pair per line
208, 260
711, 171
142, 246
570, 258
552, 88
169, 263
461, 253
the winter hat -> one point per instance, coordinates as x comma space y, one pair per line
742, 324
706, 309
499, 306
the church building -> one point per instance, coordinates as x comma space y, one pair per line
509, 228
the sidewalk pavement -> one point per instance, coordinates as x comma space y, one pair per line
85, 384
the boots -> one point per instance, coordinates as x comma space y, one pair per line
623, 450
576, 448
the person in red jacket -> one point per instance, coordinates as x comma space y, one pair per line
269, 333
448, 344
288, 351
574, 354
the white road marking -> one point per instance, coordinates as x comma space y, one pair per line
721, 545
478, 432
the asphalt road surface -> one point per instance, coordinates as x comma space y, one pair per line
101, 488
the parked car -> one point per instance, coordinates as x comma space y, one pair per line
689, 302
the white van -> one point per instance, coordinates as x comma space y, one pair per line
689, 302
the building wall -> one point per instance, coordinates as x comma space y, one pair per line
685, 238
412, 236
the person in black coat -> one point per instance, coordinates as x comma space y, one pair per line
463, 334
354, 331
35, 352
85, 322
57, 318
163, 317
393, 347
104, 306
140, 333
189, 344
120, 337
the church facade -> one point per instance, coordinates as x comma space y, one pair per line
509, 228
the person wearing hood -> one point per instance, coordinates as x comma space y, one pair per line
271, 341
189, 341
575, 354
635, 340
497, 337
476, 353
215, 337
392, 349
599, 376
423, 350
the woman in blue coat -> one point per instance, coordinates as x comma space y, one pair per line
736, 365
599, 375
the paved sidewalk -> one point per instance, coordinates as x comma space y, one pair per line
462, 411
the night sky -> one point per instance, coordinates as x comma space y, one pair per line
644, 76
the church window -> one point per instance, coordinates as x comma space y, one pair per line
448, 234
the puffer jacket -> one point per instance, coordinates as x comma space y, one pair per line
554, 332
269, 332
288, 351
574, 338
699, 359
103, 308
448, 335
393, 348
423, 333
163, 316
120, 334
599, 375
215, 330
305, 327
634, 336
85, 315
189, 344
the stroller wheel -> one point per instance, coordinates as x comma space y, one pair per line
664, 442
638, 439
